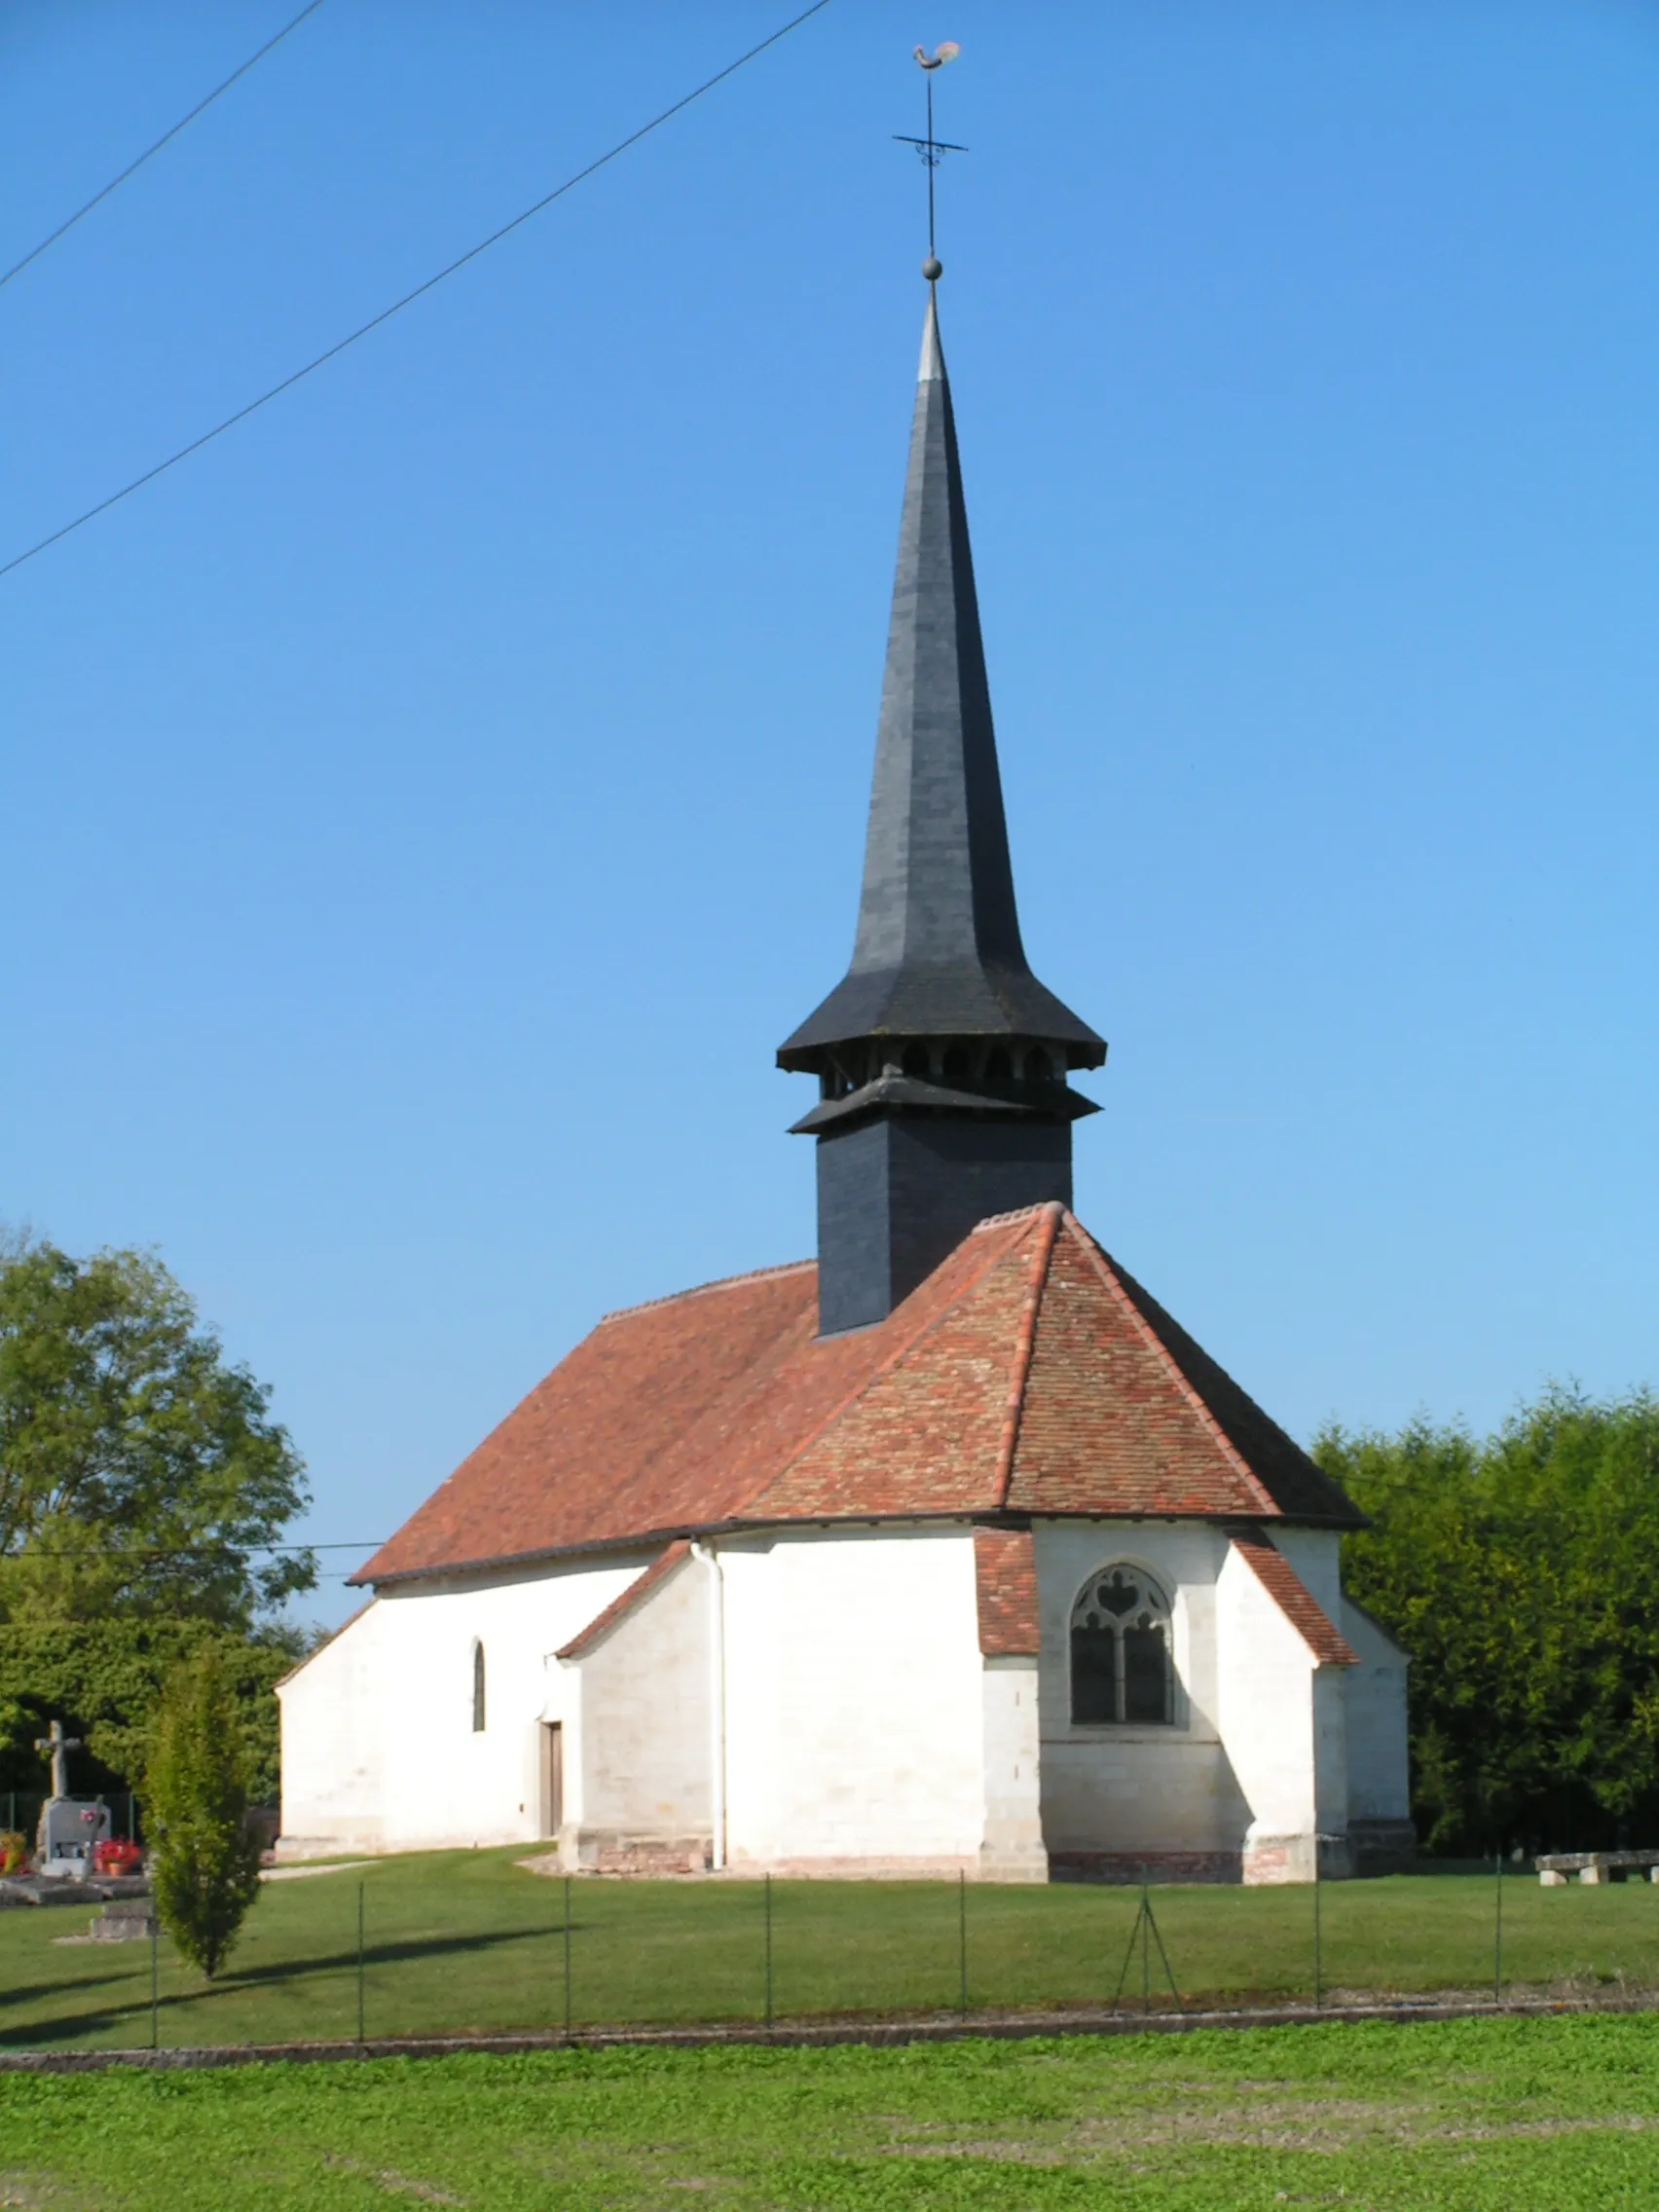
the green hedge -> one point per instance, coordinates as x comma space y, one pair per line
105, 1682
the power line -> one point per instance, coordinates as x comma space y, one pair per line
408, 298
207, 1546
34, 254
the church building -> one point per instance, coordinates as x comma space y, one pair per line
948, 1549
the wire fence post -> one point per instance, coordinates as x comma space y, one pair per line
567, 1954
962, 1935
768, 1890
1319, 1933
1146, 1932
361, 1887
1497, 1934
155, 1979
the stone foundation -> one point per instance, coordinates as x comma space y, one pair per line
599, 1851
1124, 1866
835, 1869
1383, 1847
1270, 1860
1005, 1864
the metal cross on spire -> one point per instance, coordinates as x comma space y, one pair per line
931, 150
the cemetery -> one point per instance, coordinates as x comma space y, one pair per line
77, 1860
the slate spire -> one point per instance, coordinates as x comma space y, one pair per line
940, 1058
937, 950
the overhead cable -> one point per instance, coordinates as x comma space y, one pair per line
34, 254
208, 1545
408, 298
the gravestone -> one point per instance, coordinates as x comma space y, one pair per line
124, 1920
69, 1826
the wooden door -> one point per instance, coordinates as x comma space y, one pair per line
552, 1777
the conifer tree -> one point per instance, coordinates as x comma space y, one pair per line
204, 1858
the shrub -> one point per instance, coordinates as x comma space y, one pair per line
204, 1856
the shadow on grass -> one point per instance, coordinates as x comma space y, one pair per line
385, 1953
235, 1980
29, 1992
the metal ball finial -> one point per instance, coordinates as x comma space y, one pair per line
932, 269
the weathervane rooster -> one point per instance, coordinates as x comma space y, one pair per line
933, 150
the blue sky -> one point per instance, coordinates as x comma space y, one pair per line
427, 809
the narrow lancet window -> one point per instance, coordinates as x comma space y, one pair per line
1122, 1662
477, 1689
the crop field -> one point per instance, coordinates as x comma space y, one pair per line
1560, 2114
464, 1941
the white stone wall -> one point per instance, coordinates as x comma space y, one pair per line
1379, 1767
378, 1751
334, 1743
1316, 1555
1012, 1847
862, 1728
1269, 1726
642, 1699
855, 1699
1120, 1794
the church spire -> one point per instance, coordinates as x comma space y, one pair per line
937, 950
939, 1041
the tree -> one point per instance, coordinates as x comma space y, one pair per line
204, 1856
139, 1471
105, 1681
1519, 1573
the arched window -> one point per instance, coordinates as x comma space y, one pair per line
916, 1060
477, 1689
1039, 1068
1122, 1663
999, 1067
958, 1063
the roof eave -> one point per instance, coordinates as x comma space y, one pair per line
742, 1525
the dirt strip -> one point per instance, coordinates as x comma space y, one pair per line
803, 2035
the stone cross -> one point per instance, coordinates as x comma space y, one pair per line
59, 1746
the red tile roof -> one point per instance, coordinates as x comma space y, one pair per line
1293, 1597
1005, 1573
1027, 1374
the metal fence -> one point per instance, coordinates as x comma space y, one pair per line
473, 1945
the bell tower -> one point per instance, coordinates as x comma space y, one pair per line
941, 1061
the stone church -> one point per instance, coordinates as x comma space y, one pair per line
947, 1548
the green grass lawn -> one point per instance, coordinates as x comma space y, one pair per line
467, 1940
1474, 2115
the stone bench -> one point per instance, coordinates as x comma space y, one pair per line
1558, 1866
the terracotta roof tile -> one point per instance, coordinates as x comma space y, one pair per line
1005, 1574
1120, 1403
1293, 1597
1027, 1373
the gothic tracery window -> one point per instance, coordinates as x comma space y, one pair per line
1121, 1660
477, 1689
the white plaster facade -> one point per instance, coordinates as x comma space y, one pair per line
816, 1700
